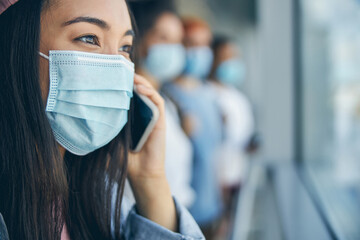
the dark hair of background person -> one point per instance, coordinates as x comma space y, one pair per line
146, 13
218, 42
39, 190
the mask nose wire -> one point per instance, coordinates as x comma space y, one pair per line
43, 55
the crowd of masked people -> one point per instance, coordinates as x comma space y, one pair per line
210, 124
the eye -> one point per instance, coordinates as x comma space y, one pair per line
89, 39
127, 49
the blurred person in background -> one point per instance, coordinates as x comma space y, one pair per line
227, 75
161, 58
199, 55
201, 121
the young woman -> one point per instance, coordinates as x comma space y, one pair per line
162, 59
66, 82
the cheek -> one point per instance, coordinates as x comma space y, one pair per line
44, 78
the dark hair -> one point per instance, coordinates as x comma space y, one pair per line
219, 41
39, 189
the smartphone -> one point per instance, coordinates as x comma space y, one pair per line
145, 116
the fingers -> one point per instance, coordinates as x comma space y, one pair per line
152, 94
141, 80
146, 89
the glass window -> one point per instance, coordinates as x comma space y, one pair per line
330, 100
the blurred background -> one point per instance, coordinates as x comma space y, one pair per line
302, 81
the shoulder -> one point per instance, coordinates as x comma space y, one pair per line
3, 230
237, 95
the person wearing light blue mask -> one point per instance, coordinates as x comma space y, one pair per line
231, 72
67, 81
198, 61
228, 67
162, 54
162, 60
165, 61
199, 55
201, 121
228, 73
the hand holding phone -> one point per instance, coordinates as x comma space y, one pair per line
146, 169
144, 120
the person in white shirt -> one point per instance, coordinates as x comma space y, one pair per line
228, 72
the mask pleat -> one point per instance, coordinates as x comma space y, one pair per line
111, 99
91, 136
103, 115
94, 78
89, 98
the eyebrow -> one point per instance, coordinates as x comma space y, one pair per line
96, 21
130, 32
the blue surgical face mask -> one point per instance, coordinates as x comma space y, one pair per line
231, 72
198, 62
165, 61
89, 98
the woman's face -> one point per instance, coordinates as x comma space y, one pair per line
168, 29
96, 26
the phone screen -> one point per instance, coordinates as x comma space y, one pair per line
141, 119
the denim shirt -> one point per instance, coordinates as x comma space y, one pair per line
3, 232
137, 227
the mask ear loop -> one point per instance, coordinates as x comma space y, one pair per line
43, 55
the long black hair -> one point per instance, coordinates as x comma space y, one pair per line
39, 190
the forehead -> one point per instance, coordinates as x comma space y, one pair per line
168, 26
199, 36
168, 21
114, 12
